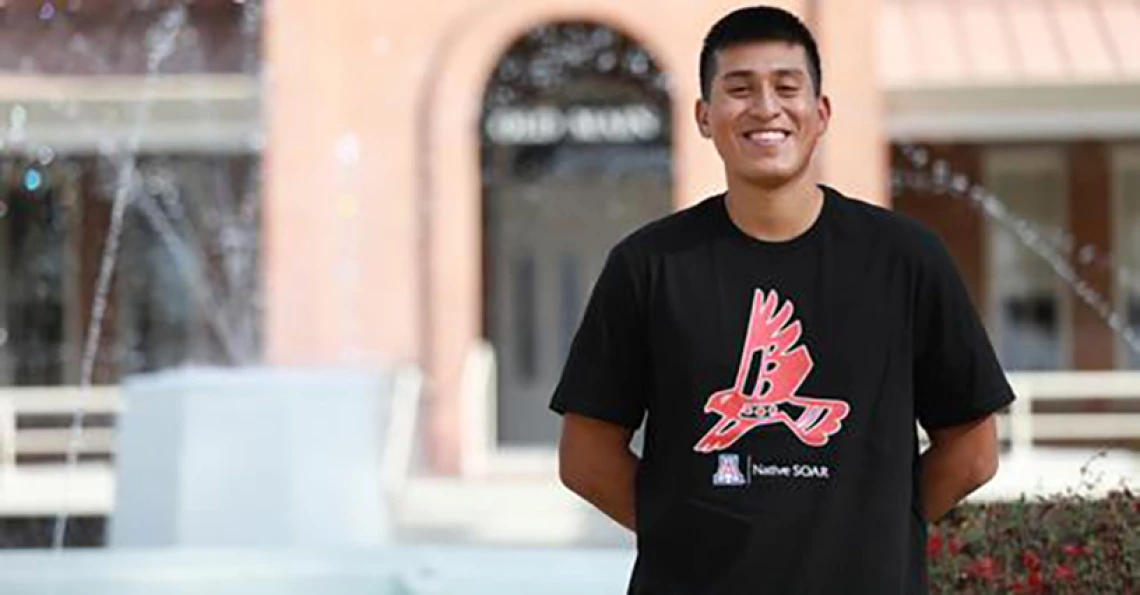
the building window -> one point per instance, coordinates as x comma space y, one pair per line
1028, 303
35, 217
185, 277
1126, 273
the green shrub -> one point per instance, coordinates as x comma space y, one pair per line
1067, 543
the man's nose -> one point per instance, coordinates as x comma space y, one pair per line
765, 103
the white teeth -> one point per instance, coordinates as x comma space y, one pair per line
767, 136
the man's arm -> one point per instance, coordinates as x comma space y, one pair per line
960, 460
595, 462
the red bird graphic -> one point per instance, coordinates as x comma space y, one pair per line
782, 368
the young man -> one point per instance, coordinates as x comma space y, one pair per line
780, 341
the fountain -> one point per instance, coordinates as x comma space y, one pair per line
1055, 247
213, 448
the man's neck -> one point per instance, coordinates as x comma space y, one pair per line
774, 214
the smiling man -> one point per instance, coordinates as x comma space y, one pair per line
780, 341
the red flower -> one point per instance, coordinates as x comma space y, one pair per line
985, 568
954, 545
1033, 584
934, 546
1030, 560
1076, 551
1064, 572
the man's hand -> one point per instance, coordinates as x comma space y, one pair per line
960, 460
595, 462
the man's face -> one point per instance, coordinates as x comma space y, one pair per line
762, 113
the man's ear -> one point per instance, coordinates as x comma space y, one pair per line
702, 115
824, 113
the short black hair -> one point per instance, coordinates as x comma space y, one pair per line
758, 24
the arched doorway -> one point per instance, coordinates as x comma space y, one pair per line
576, 137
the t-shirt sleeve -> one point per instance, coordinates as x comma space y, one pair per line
605, 376
958, 378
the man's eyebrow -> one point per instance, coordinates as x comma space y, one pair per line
797, 72
739, 74
788, 71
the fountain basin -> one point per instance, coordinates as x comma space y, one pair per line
252, 457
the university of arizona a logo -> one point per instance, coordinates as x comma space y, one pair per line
728, 471
772, 368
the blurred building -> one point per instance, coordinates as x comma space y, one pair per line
1038, 103
378, 182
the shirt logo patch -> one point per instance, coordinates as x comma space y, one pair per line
728, 471
772, 368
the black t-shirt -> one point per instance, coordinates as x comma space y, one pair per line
780, 383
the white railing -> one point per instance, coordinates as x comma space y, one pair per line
46, 489
62, 401
1023, 427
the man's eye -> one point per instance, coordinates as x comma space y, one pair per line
737, 90
787, 88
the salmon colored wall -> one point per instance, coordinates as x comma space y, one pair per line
338, 213
855, 152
